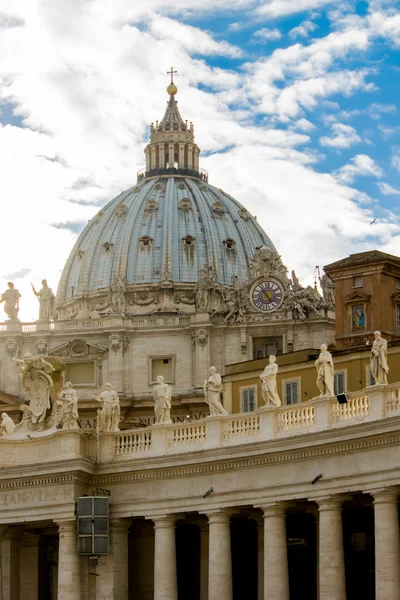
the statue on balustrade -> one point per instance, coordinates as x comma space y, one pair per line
328, 290
378, 365
117, 296
7, 425
68, 401
325, 372
268, 383
46, 299
212, 393
109, 415
11, 301
162, 401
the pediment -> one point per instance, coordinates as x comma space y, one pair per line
78, 349
357, 297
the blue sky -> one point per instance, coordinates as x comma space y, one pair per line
294, 104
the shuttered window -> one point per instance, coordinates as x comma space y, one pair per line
292, 392
248, 400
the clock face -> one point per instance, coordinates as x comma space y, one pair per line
267, 295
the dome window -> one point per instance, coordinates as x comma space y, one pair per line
188, 241
230, 244
145, 241
107, 247
151, 206
80, 254
244, 214
218, 208
185, 205
121, 210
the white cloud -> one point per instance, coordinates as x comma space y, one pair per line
304, 125
387, 190
344, 136
266, 35
303, 30
396, 158
280, 8
359, 165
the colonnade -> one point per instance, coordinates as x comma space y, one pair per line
112, 579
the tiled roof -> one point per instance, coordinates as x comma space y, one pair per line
363, 258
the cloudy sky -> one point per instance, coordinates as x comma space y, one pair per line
295, 105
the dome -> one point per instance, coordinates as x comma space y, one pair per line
167, 228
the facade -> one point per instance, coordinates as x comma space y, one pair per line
293, 502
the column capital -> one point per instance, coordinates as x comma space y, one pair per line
274, 509
163, 521
334, 502
222, 515
385, 495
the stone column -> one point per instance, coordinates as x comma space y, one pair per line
387, 555
276, 574
165, 579
204, 552
171, 157
10, 558
220, 559
332, 584
113, 580
3, 529
68, 562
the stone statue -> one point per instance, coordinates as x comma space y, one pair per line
325, 373
46, 299
109, 415
7, 425
11, 301
268, 383
265, 262
212, 393
201, 290
35, 374
162, 401
68, 400
378, 365
328, 290
117, 296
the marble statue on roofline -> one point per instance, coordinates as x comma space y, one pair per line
162, 401
46, 299
110, 413
11, 301
268, 383
212, 393
378, 365
68, 402
7, 425
325, 372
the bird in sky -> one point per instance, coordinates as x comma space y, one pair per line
372, 222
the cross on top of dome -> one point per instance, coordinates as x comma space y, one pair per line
172, 89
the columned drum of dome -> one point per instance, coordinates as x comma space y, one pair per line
166, 228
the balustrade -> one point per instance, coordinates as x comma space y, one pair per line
356, 408
237, 427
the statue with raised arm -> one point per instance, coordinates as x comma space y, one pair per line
212, 393
162, 401
325, 372
68, 400
46, 299
378, 365
268, 383
11, 301
109, 415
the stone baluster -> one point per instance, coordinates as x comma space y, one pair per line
276, 574
220, 559
165, 578
387, 554
332, 583
68, 562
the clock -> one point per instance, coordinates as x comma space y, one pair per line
267, 295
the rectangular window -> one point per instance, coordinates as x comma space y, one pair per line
358, 281
248, 399
162, 366
398, 283
263, 347
291, 392
80, 373
339, 383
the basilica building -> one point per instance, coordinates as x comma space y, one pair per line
172, 285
